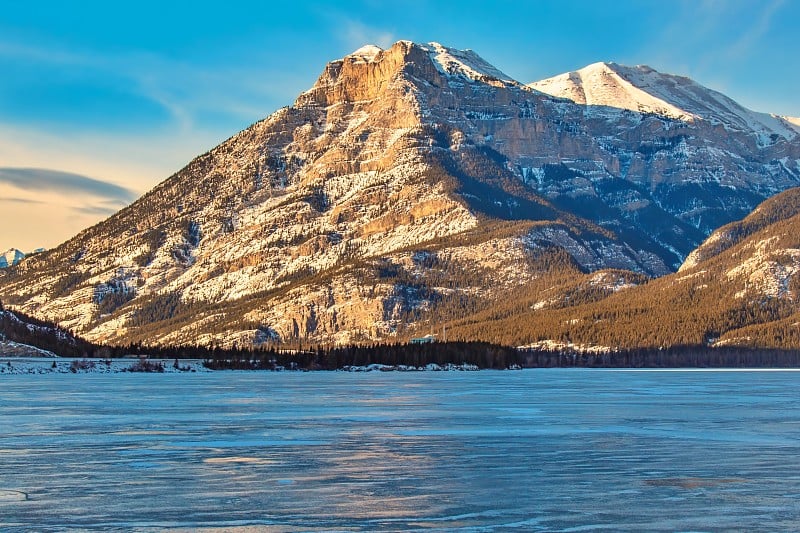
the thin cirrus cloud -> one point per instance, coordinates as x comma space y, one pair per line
24, 201
96, 210
193, 95
761, 27
705, 35
356, 34
108, 195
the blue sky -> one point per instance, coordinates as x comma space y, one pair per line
127, 93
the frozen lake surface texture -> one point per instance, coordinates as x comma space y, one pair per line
532, 450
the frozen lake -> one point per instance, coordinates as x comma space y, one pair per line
533, 450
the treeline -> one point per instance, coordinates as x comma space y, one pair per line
479, 354
689, 356
492, 356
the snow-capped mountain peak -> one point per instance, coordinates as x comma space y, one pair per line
370, 70
644, 89
450, 62
466, 63
613, 85
367, 52
11, 257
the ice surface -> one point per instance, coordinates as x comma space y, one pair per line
534, 450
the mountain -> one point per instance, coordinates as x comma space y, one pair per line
11, 257
741, 287
407, 188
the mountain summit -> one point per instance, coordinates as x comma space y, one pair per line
11, 257
449, 62
646, 90
406, 188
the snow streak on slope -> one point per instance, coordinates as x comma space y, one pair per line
646, 90
466, 63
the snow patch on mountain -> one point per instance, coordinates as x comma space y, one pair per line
464, 63
558, 346
610, 281
16, 349
367, 52
594, 254
767, 271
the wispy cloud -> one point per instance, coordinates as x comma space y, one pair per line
702, 34
134, 160
95, 210
40, 179
24, 201
355, 34
187, 92
54, 205
39, 54
753, 34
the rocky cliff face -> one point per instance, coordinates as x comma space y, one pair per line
404, 178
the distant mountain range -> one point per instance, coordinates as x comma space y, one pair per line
11, 257
419, 187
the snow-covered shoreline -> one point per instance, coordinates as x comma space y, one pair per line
432, 367
61, 365
64, 365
